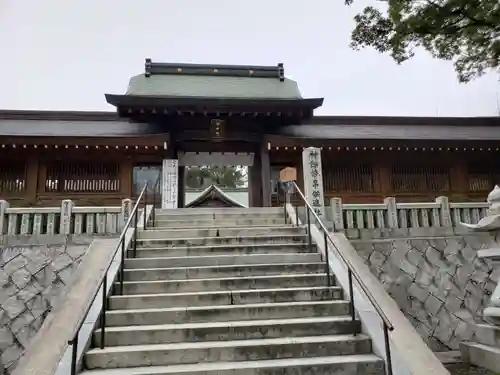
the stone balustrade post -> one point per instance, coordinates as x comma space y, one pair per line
66, 212
337, 214
392, 212
4, 205
444, 211
127, 206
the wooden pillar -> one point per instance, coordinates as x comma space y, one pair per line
265, 175
181, 186
459, 179
126, 170
32, 179
255, 181
382, 177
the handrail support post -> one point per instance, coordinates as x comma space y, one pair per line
74, 353
122, 266
136, 218
351, 295
103, 311
327, 261
145, 223
309, 235
388, 358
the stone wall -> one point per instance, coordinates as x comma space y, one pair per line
33, 274
438, 282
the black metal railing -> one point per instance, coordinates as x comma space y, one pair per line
133, 218
351, 272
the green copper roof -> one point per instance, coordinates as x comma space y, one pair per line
213, 81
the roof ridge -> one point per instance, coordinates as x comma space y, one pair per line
252, 71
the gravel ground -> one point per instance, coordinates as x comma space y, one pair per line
463, 369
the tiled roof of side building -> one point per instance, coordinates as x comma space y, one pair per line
395, 132
108, 124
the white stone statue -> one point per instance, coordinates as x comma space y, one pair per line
492, 220
491, 223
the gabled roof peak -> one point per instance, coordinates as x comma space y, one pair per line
252, 71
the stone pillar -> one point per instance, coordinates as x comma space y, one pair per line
265, 176
337, 214
392, 212
127, 206
66, 211
4, 205
313, 179
170, 184
444, 211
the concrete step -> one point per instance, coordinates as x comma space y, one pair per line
218, 232
198, 314
215, 225
234, 297
221, 260
249, 221
220, 331
287, 238
158, 252
227, 283
219, 214
358, 364
222, 271
481, 355
244, 350
487, 334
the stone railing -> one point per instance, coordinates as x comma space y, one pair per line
67, 219
391, 214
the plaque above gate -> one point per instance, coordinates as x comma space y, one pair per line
217, 128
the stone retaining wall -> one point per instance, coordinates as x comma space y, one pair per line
439, 283
33, 274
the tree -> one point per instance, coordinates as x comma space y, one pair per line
226, 176
466, 32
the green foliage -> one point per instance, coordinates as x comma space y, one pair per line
226, 176
466, 32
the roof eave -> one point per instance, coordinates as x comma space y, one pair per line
208, 103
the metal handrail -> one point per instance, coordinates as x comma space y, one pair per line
350, 269
121, 245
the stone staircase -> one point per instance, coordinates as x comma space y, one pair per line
228, 291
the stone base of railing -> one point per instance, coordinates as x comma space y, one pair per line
66, 219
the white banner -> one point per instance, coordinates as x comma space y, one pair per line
170, 183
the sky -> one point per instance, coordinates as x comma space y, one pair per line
65, 55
